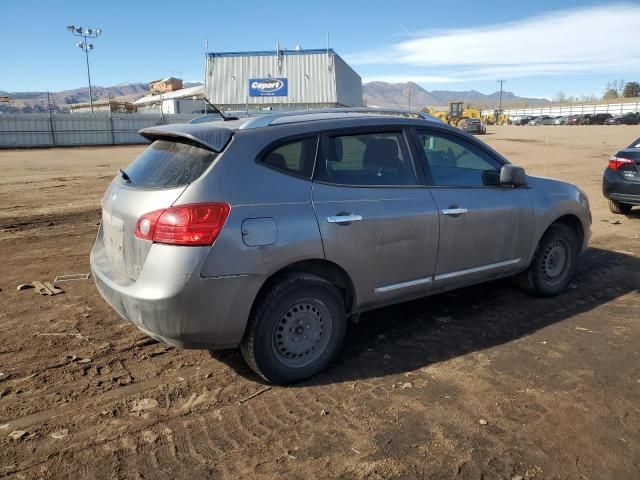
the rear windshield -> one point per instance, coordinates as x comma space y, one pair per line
167, 164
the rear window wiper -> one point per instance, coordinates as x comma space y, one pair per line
125, 176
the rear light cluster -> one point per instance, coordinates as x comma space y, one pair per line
617, 163
193, 224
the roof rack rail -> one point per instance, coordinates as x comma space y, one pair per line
328, 113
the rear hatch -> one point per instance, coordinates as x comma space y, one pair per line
154, 181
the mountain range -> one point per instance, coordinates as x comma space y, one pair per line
375, 94
396, 95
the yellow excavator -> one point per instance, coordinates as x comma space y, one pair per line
456, 115
496, 118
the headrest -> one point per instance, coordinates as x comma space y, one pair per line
381, 153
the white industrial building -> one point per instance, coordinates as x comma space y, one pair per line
183, 101
281, 80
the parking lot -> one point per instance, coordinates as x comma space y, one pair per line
484, 382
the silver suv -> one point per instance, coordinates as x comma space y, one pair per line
270, 232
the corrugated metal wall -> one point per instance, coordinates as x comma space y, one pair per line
349, 84
40, 129
311, 79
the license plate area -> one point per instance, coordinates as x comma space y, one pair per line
113, 235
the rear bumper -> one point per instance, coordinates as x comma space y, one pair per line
614, 187
171, 302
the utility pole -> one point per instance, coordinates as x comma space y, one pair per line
410, 88
500, 104
86, 47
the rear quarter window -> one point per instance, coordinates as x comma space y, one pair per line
295, 157
167, 164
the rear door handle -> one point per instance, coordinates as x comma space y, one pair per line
344, 218
454, 211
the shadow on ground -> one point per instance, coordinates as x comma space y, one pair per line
438, 328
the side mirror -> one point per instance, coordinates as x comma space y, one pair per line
513, 176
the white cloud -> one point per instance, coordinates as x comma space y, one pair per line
578, 41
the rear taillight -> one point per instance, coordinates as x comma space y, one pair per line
192, 224
617, 163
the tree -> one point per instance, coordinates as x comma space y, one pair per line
631, 89
560, 97
610, 93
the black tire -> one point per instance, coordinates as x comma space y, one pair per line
553, 264
619, 208
275, 345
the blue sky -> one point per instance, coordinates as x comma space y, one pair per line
540, 47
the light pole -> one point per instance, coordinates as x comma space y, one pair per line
86, 33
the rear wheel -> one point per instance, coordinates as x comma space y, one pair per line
296, 329
619, 207
553, 264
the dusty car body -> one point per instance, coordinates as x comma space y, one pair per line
268, 233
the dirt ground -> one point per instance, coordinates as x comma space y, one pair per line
482, 383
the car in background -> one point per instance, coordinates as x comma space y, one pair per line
630, 118
621, 179
574, 119
587, 119
600, 118
268, 233
560, 120
209, 117
523, 120
474, 125
542, 120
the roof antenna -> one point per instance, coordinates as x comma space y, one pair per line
204, 92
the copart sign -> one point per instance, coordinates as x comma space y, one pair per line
267, 87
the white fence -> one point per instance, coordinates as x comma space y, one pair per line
574, 109
48, 130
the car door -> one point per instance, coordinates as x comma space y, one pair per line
486, 229
376, 219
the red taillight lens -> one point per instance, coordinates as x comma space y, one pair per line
616, 163
192, 224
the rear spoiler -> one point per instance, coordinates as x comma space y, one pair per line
203, 135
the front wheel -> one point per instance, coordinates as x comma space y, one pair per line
619, 207
553, 264
295, 330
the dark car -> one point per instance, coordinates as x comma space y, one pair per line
600, 118
524, 120
588, 119
630, 118
621, 180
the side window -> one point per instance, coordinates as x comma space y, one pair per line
456, 163
367, 159
295, 158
